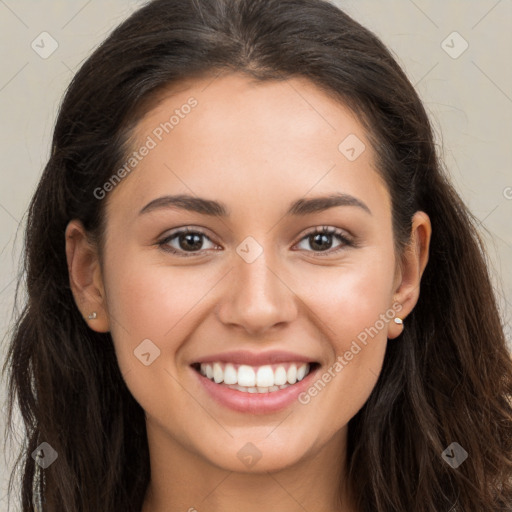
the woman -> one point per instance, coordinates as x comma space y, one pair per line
193, 340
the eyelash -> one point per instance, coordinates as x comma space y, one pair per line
347, 242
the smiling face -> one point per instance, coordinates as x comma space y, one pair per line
255, 290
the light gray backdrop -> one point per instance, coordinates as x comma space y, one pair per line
456, 52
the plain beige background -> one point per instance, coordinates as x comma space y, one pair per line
467, 91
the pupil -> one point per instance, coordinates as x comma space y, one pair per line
317, 240
191, 245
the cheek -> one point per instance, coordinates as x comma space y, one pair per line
349, 299
352, 305
151, 309
148, 301
149, 296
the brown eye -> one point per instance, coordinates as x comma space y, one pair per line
184, 241
322, 240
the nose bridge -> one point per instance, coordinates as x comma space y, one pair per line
258, 297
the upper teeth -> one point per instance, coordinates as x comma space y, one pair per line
249, 376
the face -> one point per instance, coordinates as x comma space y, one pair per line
218, 303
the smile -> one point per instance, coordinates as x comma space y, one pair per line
255, 384
254, 379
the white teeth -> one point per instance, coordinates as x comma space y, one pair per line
263, 379
230, 374
280, 376
265, 376
291, 374
246, 376
218, 374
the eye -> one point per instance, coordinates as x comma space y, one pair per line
190, 241
185, 240
321, 240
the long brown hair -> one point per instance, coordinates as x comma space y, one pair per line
447, 378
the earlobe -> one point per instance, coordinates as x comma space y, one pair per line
85, 277
413, 264
396, 327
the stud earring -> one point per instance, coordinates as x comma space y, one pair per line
93, 315
398, 321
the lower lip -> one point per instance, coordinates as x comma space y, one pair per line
255, 403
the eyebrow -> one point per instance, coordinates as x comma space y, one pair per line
300, 207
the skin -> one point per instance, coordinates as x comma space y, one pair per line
256, 147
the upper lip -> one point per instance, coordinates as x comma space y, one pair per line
255, 358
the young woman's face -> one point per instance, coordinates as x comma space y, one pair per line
255, 291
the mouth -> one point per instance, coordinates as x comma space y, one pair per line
264, 379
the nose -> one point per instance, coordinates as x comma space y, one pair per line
257, 297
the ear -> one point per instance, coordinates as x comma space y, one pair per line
411, 267
85, 276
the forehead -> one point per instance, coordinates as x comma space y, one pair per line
215, 134
295, 103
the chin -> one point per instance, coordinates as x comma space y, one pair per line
253, 456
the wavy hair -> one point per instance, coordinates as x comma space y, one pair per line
447, 378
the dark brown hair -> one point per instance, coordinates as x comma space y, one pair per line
447, 378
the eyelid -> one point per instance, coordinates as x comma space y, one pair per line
330, 229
